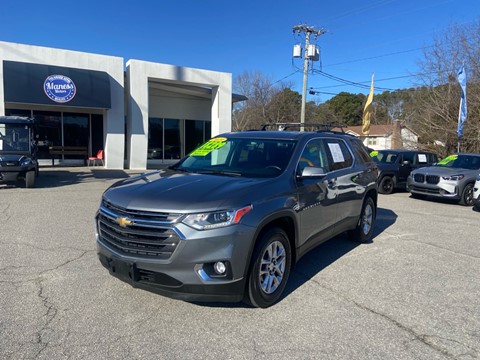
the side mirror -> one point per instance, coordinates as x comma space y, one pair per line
313, 172
406, 163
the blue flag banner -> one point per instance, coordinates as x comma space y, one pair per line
462, 113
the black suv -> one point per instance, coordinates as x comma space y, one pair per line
229, 221
395, 166
18, 152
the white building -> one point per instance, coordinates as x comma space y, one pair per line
140, 113
382, 137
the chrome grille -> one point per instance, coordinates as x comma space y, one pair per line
10, 163
138, 233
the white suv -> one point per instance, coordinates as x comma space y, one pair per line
476, 194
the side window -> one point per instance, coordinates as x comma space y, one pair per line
361, 151
408, 157
313, 155
339, 157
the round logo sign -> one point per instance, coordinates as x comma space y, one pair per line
59, 88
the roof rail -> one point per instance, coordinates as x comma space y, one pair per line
284, 126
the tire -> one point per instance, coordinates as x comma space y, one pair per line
366, 223
467, 195
269, 269
386, 185
30, 179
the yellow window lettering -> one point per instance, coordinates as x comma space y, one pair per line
448, 159
208, 147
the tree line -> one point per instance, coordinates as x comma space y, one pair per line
430, 108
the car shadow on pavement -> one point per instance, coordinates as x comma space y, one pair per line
327, 253
51, 177
321, 257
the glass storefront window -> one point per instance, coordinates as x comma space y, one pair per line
49, 131
194, 134
155, 138
172, 139
64, 129
75, 131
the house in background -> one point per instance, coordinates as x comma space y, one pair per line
392, 136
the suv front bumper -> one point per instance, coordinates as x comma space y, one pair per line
188, 274
476, 195
442, 189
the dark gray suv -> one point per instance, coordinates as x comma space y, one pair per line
229, 221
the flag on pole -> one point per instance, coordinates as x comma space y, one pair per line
367, 111
462, 113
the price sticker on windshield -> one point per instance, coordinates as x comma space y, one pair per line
209, 146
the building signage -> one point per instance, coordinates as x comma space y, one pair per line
59, 88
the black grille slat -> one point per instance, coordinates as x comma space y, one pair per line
425, 190
125, 239
136, 213
146, 234
132, 232
432, 179
429, 179
420, 178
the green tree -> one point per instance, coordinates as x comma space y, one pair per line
348, 107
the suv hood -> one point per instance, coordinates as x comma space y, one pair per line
442, 171
171, 191
11, 157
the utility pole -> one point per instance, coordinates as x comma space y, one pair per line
308, 30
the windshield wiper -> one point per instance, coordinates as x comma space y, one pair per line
218, 172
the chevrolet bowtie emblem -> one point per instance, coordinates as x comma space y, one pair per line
123, 222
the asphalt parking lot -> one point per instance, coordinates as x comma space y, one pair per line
413, 293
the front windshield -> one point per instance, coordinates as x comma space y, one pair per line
239, 157
14, 137
470, 162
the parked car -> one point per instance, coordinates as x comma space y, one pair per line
395, 166
229, 221
452, 177
476, 194
18, 152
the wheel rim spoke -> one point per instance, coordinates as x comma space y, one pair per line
367, 219
272, 267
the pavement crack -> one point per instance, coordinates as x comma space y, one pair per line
50, 313
4, 212
425, 339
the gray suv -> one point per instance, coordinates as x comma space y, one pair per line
229, 221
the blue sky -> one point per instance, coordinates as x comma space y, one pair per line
381, 36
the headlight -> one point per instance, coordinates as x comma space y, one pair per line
25, 162
453, 177
217, 219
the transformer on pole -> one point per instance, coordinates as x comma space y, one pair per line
311, 52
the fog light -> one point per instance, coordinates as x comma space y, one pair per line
220, 267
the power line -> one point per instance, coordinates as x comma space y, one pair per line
352, 83
379, 56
